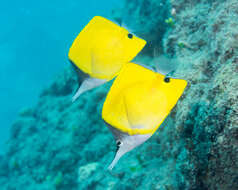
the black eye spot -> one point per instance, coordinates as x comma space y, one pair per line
167, 79
130, 35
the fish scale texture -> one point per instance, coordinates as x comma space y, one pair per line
58, 144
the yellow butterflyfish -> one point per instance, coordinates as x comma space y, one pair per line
138, 102
100, 50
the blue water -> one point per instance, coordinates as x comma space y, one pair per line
34, 40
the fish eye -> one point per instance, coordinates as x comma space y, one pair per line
167, 79
130, 35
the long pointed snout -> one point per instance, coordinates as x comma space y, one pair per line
118, 155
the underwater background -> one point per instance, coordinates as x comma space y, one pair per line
56, 144
34, 41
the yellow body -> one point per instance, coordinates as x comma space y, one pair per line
139, 100
102, 48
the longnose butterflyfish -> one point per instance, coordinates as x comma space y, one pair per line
99, 52
138, 102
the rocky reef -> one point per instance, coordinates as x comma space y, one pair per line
58, 144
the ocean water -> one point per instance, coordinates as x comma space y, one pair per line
34, 41
48, 142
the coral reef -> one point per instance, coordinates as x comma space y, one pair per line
58, 144
208, 120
